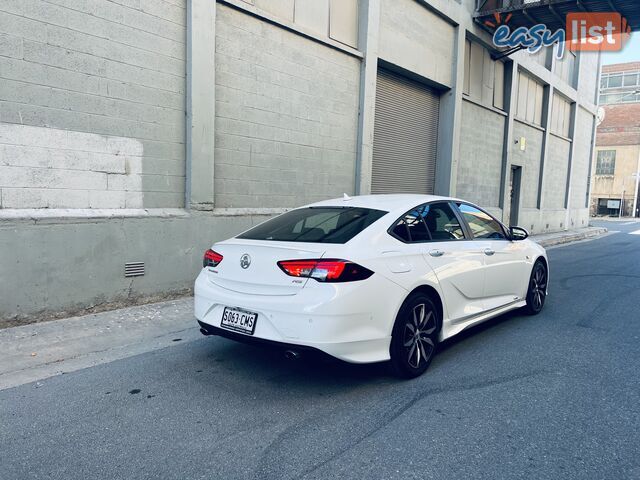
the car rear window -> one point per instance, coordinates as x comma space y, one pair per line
315, 225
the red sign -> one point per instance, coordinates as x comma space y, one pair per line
597, 31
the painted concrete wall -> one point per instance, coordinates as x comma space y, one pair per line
480, 164
529, 160
418, 40
58, 267
589, 74
611, 186
45, 167
107, 72
582, 158
286, 116
555, 175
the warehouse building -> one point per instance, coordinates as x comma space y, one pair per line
134, 133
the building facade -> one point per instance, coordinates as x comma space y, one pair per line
614, 185
135, 133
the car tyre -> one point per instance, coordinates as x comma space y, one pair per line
415, 336
537, 291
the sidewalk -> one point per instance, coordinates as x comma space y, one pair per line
559, 238
38, 351
615, 219
41, 350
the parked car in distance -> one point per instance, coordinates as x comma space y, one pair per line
370, 278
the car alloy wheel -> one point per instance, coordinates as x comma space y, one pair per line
417, 341
415, 336
537, 292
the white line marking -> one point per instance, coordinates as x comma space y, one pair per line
637, 232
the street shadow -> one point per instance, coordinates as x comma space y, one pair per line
477, 331
268, 364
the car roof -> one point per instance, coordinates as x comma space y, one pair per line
387, 202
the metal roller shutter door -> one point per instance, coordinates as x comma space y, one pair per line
405, 136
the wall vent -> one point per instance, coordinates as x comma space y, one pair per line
134, 269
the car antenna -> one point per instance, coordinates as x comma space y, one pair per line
345, 197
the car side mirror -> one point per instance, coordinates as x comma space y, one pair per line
518, 234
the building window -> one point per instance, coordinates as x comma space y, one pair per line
530, 100
604, 82
615, 81
541, 57
606, 164
630, 80
560, 116
565, 68
484, 78
612, 98
619, 80
498, 85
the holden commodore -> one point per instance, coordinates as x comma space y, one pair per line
369, 279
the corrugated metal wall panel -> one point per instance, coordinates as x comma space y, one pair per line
405, 136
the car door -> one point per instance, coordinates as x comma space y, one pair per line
506, 267
434, 231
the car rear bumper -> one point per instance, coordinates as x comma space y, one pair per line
207, 329
342, 320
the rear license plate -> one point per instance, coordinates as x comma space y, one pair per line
239, 320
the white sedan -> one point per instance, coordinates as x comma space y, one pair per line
370, 278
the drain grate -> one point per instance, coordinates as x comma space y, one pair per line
134, 269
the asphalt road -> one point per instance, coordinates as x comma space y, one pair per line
547, 397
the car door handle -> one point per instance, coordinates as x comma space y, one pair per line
489, 252
436, 253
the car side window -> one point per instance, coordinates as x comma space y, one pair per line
415, 223
400, 231
442, 222
482, 225
431, 222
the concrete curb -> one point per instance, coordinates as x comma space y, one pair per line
552, 240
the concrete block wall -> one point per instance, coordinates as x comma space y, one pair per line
588, 78
581, 159
107, 72
555, 175
44, 167
529, 159
417, 39
286, 115
480, 163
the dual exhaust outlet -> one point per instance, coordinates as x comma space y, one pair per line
288, 354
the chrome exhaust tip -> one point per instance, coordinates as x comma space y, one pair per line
291, 355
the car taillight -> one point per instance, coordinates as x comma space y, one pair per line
211, 259
325, 270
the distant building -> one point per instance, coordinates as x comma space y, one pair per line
614, 184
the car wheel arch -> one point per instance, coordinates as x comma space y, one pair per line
545, 262
542, 259
432, 293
